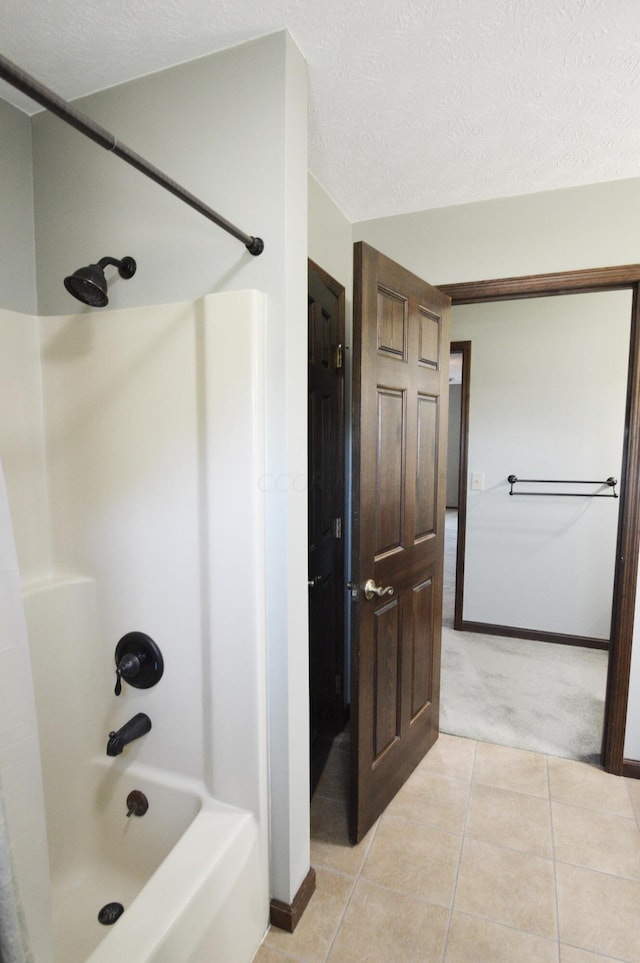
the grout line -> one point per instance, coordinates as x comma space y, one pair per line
517, 792
592, 809
509, 849
507, 926
594, 953
462, 841
553, 859
601, 872
403, 892
432, 826
356, 880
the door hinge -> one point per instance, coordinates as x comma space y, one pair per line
339, 356
337, 528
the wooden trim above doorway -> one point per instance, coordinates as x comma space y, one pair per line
543, 285
628, 545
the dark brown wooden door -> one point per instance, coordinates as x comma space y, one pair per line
326, 515
400, 396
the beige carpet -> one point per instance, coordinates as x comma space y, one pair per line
529, 695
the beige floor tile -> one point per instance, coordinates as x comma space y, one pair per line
514, 769
602, 841
451, 756
413, 859
599, 912
340, 858
433, 800
569, 954
333, 850
510, 819
380, 927
330, 845
582, 785
317, 928
473, 940
516, 889
267, 955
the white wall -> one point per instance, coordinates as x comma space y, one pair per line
242, 146
22, 441
560, 230
20, 396
330, 238
581, 227
17, 243
212, 128
21, 792
547, 400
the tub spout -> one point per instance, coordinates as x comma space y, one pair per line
133, 729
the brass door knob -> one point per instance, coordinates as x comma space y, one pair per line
371, 589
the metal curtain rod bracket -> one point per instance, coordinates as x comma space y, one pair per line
23, 81
611, 482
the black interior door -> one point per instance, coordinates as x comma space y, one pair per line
326, 514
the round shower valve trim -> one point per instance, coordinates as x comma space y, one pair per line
138, 661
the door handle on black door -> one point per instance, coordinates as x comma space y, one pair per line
371, 589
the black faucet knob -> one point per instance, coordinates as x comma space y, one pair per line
128, 668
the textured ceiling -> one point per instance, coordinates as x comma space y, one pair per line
413, 104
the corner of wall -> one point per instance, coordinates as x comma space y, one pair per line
17, 246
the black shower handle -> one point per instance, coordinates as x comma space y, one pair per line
128, 666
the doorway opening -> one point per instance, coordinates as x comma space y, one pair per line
628, 534
504, 685
457, 473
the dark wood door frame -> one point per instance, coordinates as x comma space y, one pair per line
628, 543
463, 348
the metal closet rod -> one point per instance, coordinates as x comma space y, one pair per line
23, 81
611, 482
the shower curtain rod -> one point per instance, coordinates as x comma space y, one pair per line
23, 81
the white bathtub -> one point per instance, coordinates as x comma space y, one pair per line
190, 872
184, 872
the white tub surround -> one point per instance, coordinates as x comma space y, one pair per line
153, 428
20, 777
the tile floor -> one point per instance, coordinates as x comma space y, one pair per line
487, 854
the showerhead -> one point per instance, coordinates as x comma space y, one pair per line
89, 285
